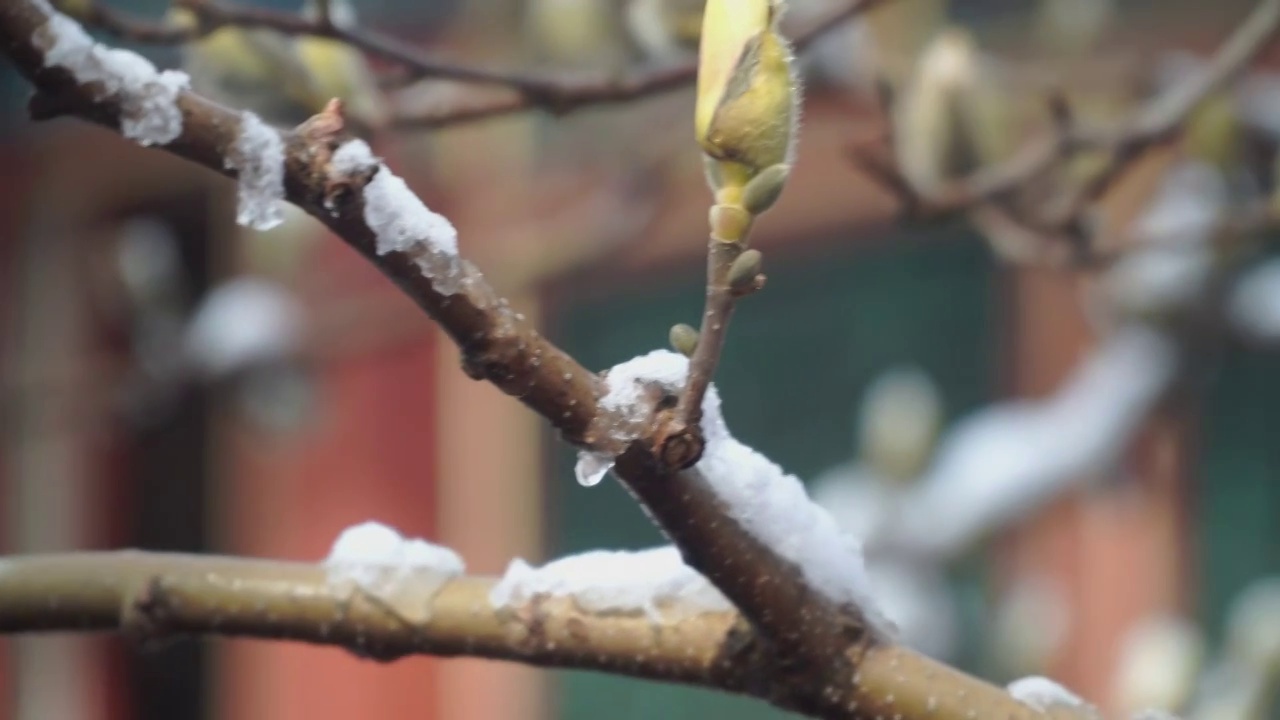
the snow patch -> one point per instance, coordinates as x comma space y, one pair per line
405, 572
400, 221
243, 322
767, 502
1043, 694
149, 113
258, 159
613, 581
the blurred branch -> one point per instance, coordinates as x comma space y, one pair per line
1151, 124
520, 91
567, 94
215, 14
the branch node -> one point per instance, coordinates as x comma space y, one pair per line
143, 620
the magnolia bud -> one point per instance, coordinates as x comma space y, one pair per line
744, 270
929, 132
683, 339
747, 99
763, 190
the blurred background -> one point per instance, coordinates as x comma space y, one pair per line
171, 381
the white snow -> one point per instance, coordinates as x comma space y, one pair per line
1254, 303
242, 322
1000, 463
258, 159
1173, 263
378, 560
613, 581
149, 113
767, 502
1043, 694
400, 221
627, 384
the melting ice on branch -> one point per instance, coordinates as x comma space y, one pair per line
149, 113
405, 572
609, 581
767, 502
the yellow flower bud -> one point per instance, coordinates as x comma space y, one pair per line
746, 111
933, 143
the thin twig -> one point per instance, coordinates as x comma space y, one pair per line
682, 447
556, 95
569, 95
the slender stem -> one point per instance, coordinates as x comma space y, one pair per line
718, 311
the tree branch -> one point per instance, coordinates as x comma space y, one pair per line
153, 596
822, 658
525, 91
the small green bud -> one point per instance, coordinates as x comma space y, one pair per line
684, 339
743, 271
763, 190
729, 223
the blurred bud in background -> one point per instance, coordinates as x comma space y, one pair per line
1029, 624
1253, 625
585, 34
1241, 685
665, 29
251, 69
1159, 665
1214, 134
900, 31
951, 117
900, 418
1072, 26
341, 71
284, 79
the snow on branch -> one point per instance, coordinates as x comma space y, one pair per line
653, 582
149, 113
765, 501
1003, 461
376, 559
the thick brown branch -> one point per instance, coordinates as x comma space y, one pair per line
154, 596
